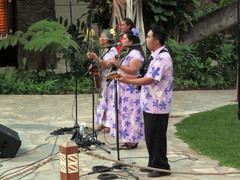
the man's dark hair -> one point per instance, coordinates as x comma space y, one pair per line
129, 22
159, 33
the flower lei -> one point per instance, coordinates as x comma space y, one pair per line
112, 31
135, 32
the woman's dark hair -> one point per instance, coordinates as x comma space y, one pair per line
129, 22
135, 40
159, 33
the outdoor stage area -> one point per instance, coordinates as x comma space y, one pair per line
34, 117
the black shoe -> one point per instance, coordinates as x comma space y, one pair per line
158, 174
126, 146
145, 170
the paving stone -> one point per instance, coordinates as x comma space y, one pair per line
34, 117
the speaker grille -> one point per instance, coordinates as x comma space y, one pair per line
9, 142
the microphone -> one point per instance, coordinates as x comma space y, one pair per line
114, 45
137, 44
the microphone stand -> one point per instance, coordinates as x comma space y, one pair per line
76, 126
93, 139
74, 67
119, 166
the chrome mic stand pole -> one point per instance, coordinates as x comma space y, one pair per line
119, 166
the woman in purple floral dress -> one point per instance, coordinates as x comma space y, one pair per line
131, 126
106, 39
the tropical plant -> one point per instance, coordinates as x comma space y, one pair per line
211, 63
43, 82
156, 11
223, 50
211, 6
99, 12
175, 11
76, 30
43, 37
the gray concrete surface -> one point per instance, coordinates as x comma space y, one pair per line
34, 117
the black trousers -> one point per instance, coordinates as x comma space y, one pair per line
156, 139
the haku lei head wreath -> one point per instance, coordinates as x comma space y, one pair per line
112, 31
135, 32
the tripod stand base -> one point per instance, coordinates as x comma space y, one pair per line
101, 169
63, 131
92, 140
123, 167
98, 169
107, 176
87, 142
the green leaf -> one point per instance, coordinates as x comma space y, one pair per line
18, 33
150, 4
185, 15
83, 25
101, 9
157, 10
65, 23
13, 41
163, 17
60, 19
22, 41
27, 34
156, 18
24, 60
5, 43
196, 2
170, 3
78, 23
168, 13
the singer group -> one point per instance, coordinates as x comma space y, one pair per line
144, 91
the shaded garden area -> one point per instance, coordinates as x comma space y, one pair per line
210, 63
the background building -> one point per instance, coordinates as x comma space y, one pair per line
20, 14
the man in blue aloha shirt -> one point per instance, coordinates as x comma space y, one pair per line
155, 99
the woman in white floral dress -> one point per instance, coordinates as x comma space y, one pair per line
103, 110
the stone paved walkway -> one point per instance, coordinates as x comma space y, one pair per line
34, 117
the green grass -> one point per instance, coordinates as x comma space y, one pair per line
215, 134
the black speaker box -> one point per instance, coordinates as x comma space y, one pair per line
9, 142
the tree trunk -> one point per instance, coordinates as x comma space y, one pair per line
210, 24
